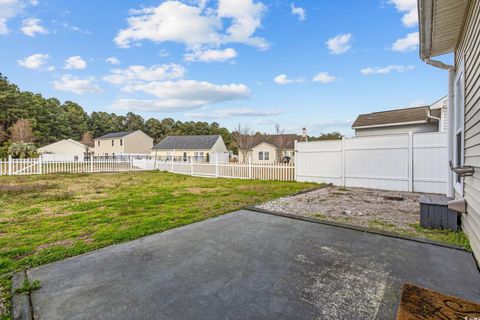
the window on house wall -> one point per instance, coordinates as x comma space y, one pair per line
98, 143
263, 155
112, 143
121, 142
459, 107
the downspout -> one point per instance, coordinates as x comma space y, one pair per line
451, 76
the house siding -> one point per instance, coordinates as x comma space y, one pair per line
137, 142
64, 147
422, 127
468, 51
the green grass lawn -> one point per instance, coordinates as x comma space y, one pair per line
50, 217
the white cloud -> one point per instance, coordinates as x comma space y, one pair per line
228, 113
339, 44
35, 61
181, 95
283, 79
324, 77
386, 70
32, 26
8, 10
75, 62
163, 53
211, 55
112, 60
409, 43
136, 74
246, 18
409, 9
76, 85
322, 124
298, 11
195, 26
68, 26
3, 26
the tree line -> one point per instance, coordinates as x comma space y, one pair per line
29, 116
51, 121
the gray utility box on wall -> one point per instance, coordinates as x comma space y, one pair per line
434, 213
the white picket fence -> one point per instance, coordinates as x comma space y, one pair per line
275, 171
402, 162
258, 171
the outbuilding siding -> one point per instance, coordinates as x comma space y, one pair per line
468, 51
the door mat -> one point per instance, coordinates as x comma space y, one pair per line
420, 303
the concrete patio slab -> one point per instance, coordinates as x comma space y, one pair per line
250, 265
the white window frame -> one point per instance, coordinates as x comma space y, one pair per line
458, 118
266, 155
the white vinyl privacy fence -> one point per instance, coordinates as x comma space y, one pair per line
403, 162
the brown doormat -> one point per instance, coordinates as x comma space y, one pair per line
420, 303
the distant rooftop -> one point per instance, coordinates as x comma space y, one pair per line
114, 135
187, 142
275, 139
398, 116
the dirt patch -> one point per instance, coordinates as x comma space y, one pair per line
358, 206
61, 243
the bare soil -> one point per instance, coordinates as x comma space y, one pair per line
357, 206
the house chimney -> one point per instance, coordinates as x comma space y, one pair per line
304, 134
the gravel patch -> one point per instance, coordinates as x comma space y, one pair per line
387, 210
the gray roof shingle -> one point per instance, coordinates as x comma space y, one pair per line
385, 118
114, 135
187, 142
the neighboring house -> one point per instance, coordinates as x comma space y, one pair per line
184, 148
121, 143
418, 119
64, 150
453, 27
267, 148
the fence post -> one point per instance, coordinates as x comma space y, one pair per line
9, 165
344, 163
295, 159
410, 161
216, 165
40, 164
91, 163
191, 165
250, 168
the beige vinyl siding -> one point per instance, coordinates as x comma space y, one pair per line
469, 51
137, 142
420, 127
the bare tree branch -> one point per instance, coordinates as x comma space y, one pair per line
281, 141
22, 131
87, 140
244, 140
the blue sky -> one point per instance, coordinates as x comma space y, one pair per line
315, 63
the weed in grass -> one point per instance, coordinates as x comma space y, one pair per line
24, 188
28, 287
382, 225
60, 196
320, 215
455, 237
